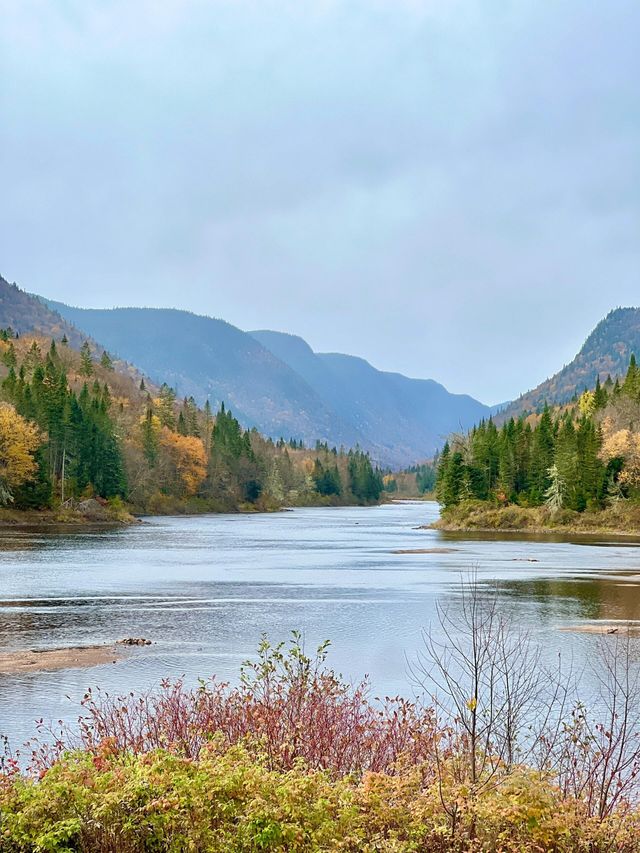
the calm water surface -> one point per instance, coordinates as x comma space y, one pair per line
204, 589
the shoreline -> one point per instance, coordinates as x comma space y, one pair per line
620, 520
19, 519
52, 660
27, 519
566, 530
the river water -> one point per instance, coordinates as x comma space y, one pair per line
205, 588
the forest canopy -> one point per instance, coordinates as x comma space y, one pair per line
73, 425
584, 455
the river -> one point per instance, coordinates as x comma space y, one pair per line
205, 588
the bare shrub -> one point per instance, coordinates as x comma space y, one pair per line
503, 710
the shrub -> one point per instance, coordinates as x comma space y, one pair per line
290, 705
296, 759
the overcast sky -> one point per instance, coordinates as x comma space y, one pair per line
449, 188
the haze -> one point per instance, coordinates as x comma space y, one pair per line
449, 189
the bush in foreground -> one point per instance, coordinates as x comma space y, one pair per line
296, 759
229, 800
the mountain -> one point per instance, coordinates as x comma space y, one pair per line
23, 312
276, 382
401, 419
270, 380
210, 359
605, 352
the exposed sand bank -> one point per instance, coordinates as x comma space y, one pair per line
425, 551
43, 660
623, 629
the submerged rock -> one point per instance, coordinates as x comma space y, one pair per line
134, 641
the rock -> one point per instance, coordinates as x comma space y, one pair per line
91, 509
134, 641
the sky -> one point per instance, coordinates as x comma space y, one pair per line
448, 188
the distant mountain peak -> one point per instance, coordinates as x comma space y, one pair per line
605, 352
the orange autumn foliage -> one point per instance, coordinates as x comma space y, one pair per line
19, 439
186, 456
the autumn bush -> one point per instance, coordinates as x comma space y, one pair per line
294, 758
290, 706
229, 799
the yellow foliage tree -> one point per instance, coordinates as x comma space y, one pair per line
19, 439
186, 455
587, 403
623, 444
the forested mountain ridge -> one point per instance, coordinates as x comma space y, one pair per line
74, 428
606, 352
277, 384
23, 312
396, 415
209, 359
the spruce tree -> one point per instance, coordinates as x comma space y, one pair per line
106, 361
86, 362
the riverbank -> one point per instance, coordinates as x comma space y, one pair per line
621, 519
161, 504
89, 513
113, 513
51, 660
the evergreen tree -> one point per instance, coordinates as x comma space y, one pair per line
554, 495
541, 457
9, 357
86, 362
149, 438
326, 479
166, 406
106, 361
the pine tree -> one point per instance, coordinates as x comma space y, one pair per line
541, 456
149, 438
86, 362
600, 395
450, 477
9, 358
166, 406
106, 361
631, 384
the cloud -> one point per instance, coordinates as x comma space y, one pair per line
432, 185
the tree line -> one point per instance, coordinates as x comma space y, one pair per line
583, 455
77, 427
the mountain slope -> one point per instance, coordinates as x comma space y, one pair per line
278, 384
400, 418
23, 312
605, 352
272, 381
211, 359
